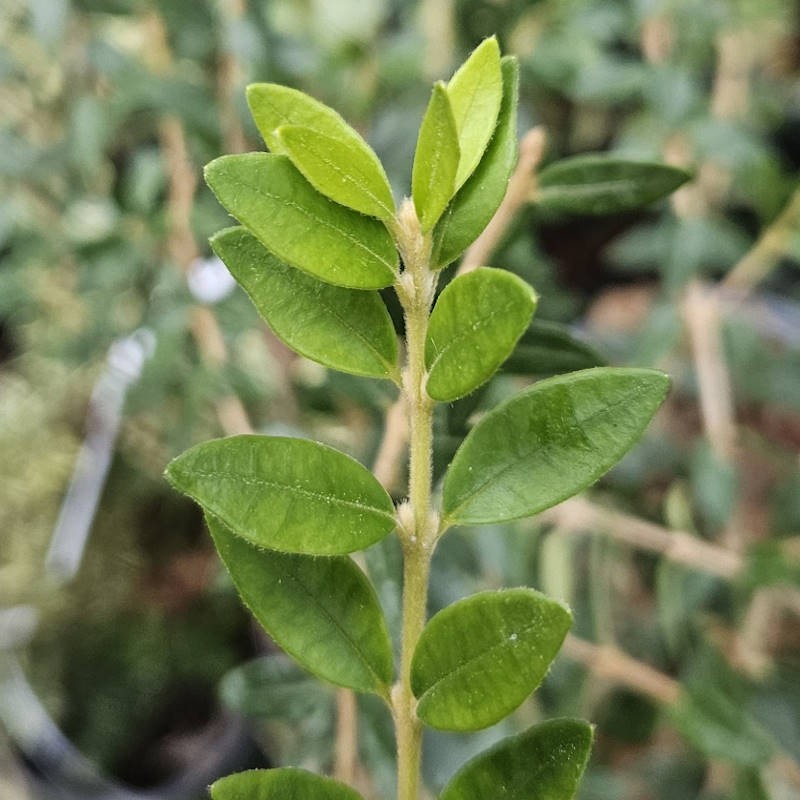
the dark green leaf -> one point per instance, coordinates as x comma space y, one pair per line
479, 658
475, 93
344, 169
544, 763
287, 783
477, 200
322, 611
605, 185
291, 219
548, 348
548, 443
474, 326
347, 329
292, 495
435, 160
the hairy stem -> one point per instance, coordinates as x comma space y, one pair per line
415, 288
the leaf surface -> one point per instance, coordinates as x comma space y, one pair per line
287, 494
544, 763
549, 442
477, 200
435, 159
287, 783
548, 348
347, 329
475, 324
322, 611
479, 658
344, 169
604, 185
268, 195
475, 93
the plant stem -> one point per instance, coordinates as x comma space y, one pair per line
415, 288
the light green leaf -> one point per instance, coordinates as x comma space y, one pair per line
549, 442
347, 329
474, 326
479, 658
476, 201
344, 169
544, 763
475, 93
295, 222
548, 348
286, 783
435, 160
273, 105
322, 611
292, 495
605, 185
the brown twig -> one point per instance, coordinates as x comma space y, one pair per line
392, 447
521, 189
579, 514
612, 664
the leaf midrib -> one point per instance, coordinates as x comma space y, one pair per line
452, 515
252, 480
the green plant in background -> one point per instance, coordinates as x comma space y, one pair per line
320, 236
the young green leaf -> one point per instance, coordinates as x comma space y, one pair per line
479, 658
548, 348
291, 219
549, 442
475, 92
292, 495
331, 154
344, 169
605, 185
436, 158
476, 201
474, 326
322, 611
347, 329
287, 783
544, 763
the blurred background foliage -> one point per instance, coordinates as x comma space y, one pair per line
682, 566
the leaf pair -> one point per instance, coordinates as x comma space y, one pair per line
319, 199
458, 124
544, 763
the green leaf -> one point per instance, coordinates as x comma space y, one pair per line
322, 611
344, 169
347, 329
474, 326
604, 185
433, 175
273, 687
273, 106
292, 495
544, 763
286, 783
548, 348
300, 226
475, 93
477, 200
479, 658
549, 442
